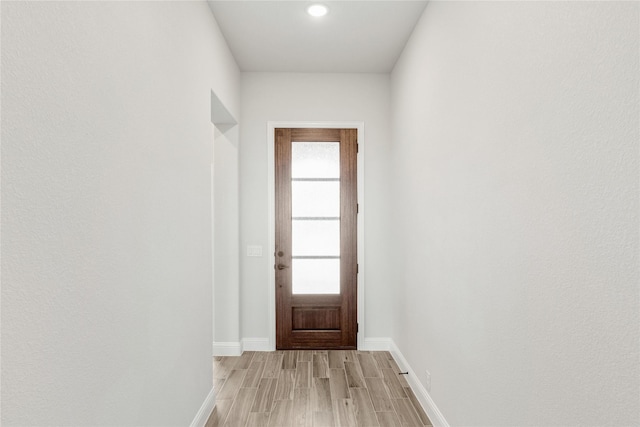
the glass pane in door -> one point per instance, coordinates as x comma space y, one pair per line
316, 238
315, 160
316, 276
315, 198
315, 228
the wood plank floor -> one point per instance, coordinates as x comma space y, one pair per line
313, 389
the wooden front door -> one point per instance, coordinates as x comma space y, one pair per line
316, 252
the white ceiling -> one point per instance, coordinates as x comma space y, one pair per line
354, 37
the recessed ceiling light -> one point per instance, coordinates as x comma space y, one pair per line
317, 10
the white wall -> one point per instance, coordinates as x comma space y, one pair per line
515, 153
226, 238
106, 221
313, 97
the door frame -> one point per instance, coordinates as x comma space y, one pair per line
271, 283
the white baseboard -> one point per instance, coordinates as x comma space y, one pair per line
256, 344
429, 406
205, 410
227, 349
377, 344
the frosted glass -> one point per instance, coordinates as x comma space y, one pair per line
319, 238
315, 160
316, 276
315, 198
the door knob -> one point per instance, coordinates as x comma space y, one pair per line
282, 266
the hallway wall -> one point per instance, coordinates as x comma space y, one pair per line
314, 97
515, 165
106, 213
226, 220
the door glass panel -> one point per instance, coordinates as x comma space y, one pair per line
316, 238
315, 199
315, 160
316, 276
315, 228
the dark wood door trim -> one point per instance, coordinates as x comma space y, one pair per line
283, 234
349, 229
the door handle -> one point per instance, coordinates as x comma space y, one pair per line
282, 266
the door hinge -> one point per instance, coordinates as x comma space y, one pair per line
357, 148
357, 207
357, 268
357, 327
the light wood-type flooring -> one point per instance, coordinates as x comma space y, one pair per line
313, 389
